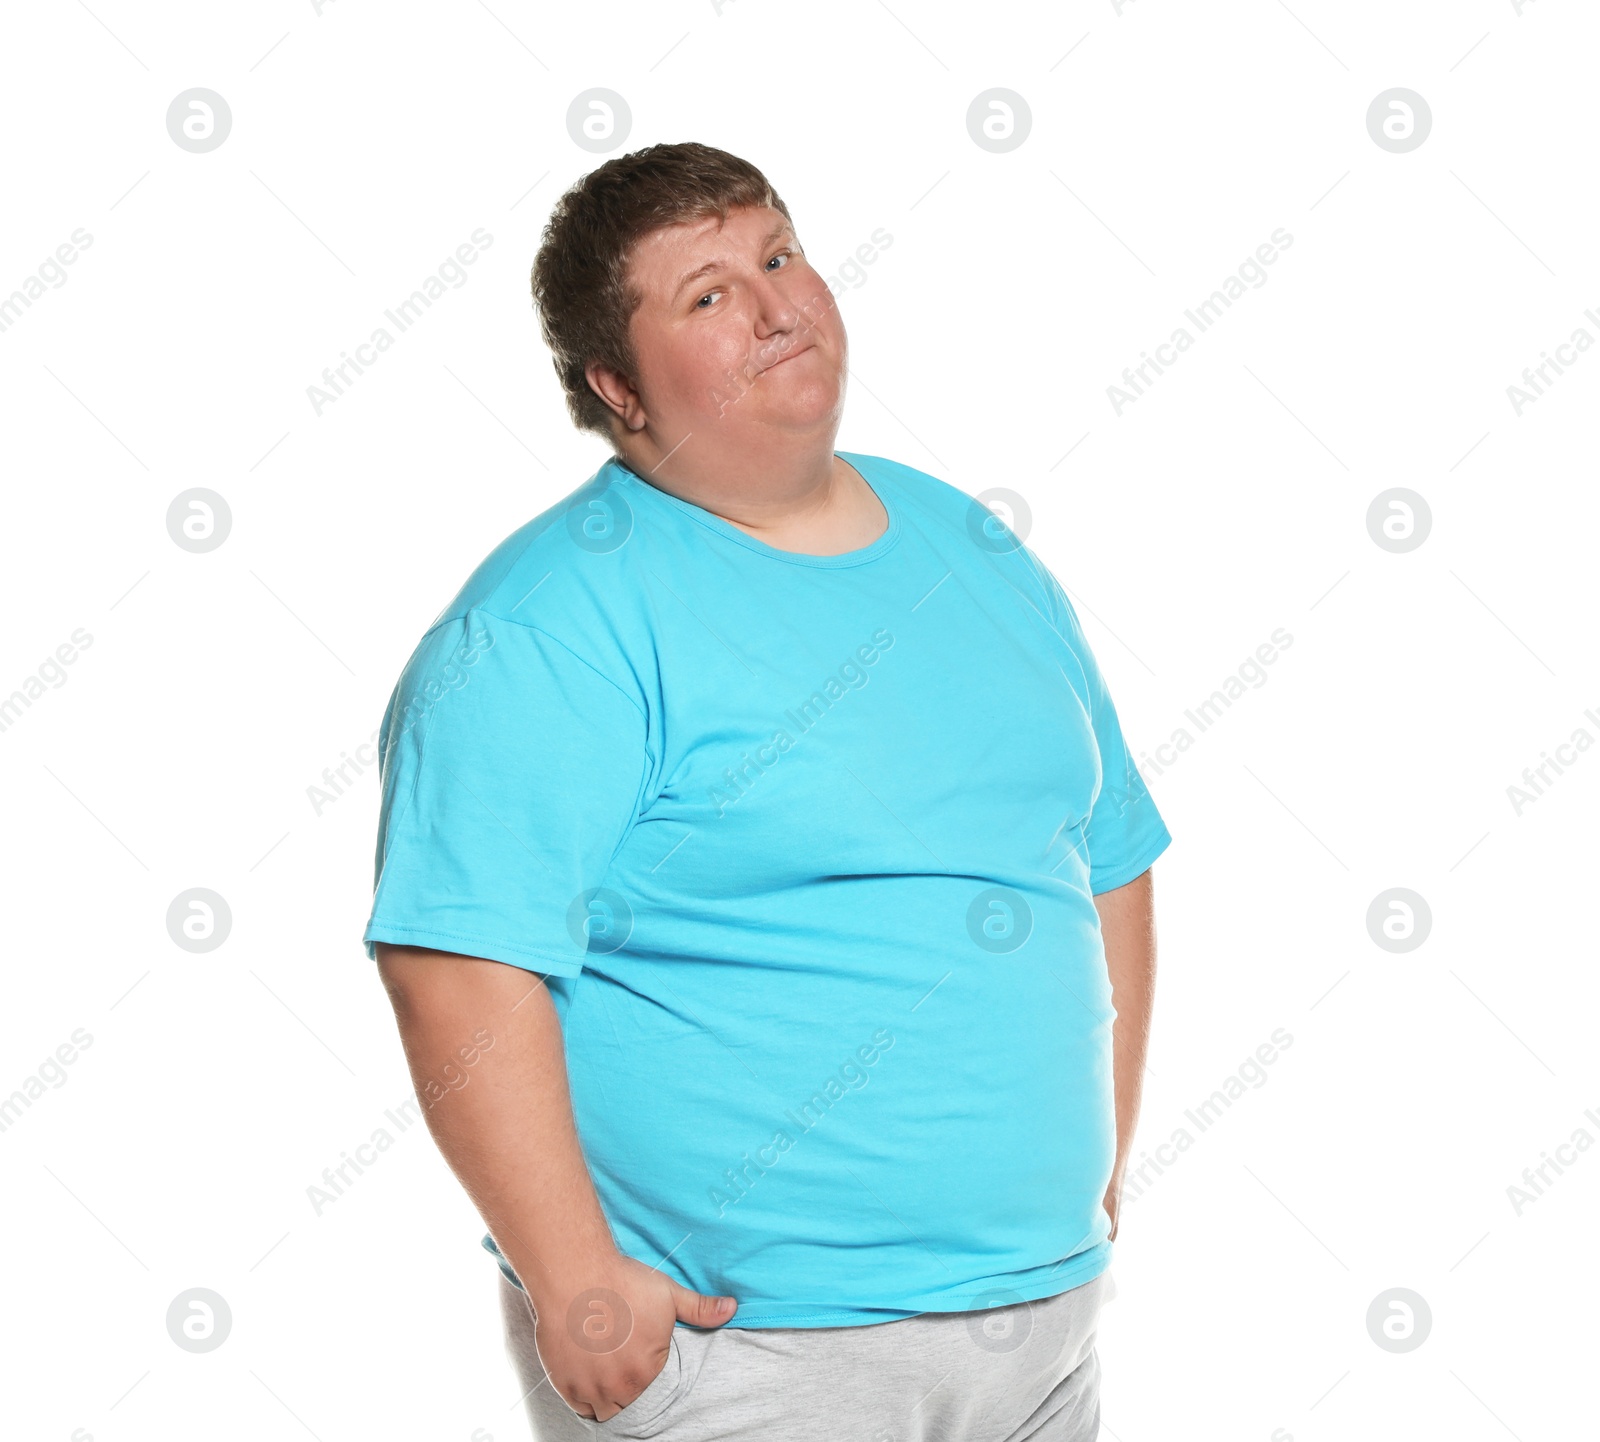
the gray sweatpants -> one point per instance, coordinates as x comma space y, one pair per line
1008, 1374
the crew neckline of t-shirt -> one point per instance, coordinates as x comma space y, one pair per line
876, 482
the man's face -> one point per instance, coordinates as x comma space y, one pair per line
736, 334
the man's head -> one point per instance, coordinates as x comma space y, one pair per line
669, 284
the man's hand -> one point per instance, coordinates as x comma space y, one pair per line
604, 1334
1113, 1203
604, 1321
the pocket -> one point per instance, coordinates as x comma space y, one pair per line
650, 1406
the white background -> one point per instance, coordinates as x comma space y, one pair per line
1167, 142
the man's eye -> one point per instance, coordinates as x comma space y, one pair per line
779, 256
707, 296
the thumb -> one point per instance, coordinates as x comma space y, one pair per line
699, 1310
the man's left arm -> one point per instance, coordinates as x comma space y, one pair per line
1128, 926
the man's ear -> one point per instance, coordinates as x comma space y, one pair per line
618, 393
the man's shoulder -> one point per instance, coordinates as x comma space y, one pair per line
930, 490
551, 569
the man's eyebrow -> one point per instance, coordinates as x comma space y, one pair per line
691, 276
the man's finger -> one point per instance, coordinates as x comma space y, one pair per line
699, 1310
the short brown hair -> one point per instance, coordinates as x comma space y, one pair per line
580, 275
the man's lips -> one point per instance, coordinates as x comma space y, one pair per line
787, 356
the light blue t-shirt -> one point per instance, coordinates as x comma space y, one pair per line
806, 846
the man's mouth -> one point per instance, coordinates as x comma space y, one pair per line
789, 354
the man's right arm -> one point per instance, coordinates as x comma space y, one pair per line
508, 1134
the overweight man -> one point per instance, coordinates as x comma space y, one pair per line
763, 884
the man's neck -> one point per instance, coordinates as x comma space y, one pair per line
813, 502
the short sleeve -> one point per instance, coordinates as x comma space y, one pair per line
1125, 833
511, 772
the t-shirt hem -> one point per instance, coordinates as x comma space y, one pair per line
1110, 881
487, 947
1077, 1271
1082, 1268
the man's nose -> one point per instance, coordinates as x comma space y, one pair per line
775, 311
